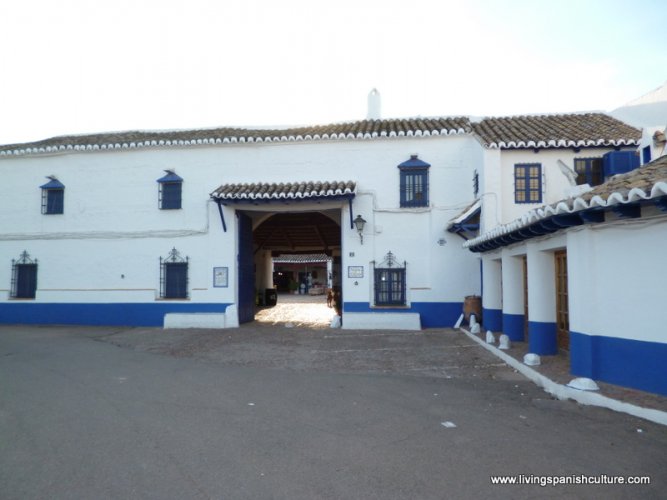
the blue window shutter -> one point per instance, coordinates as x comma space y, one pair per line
53, 196
170, 192
170, 195
414, 182
55, 201
646, 154
176, 285
26, 281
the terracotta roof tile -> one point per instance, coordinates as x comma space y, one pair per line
284, 190
365, 129
648, 182
643, 178
566, 130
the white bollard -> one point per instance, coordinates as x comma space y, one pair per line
504, 342
531, 359
490, 339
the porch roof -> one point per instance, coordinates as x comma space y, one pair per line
623, 193
263, 192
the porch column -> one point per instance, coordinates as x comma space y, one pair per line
512, 297
492, 312
264, 275
542, 300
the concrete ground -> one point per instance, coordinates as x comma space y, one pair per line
277, 411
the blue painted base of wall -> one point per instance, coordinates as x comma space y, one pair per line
513, 326
432, 314
127, 314
630, 363
542, 338
493, 319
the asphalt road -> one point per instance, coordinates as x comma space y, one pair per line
104, 413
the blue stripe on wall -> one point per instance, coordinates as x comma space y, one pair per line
432, 314
493, 319
542, 337
626, 362
513, 326
115, 314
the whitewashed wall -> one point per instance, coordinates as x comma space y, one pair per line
617, 285
106, 246
555, 184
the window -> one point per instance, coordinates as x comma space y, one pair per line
528, 183
174, 276
475, 184
389, 279
589, 171
170, 188
414, 182
53, 197
24, 277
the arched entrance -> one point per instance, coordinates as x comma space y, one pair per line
294, 254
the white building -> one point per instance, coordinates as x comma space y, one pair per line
586, 276
179, 228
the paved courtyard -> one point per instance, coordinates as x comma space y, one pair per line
282, 411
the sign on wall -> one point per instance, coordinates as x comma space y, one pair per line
220, 277
355, 271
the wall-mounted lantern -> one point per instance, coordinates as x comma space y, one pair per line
359, 223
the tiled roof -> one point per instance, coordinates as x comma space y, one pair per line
643, 179
466, 213
365, 129
283, 191
645, 183
301, 258
546, 131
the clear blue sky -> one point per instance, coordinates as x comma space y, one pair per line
77, 66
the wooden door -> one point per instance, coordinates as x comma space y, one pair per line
246, 270
524, 261
562, 311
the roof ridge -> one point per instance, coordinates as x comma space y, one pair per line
357, 129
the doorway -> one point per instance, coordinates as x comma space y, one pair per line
562, 311
312, 242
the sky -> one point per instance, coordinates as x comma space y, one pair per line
81, 66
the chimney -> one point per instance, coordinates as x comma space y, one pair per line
374, 104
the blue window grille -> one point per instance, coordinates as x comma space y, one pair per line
475, 184
389, 278
174, 276
589, 171
53, 197
528, 183
414, 182
24, 277
170, 191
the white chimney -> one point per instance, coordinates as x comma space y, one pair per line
374, 104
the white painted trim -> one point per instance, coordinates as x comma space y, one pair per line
563, 392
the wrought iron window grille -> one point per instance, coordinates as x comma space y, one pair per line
24, 277
389, 281
174, 276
